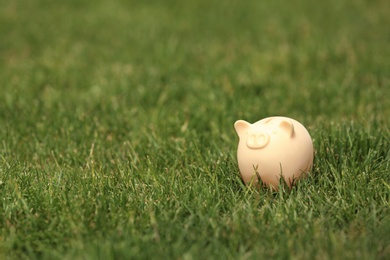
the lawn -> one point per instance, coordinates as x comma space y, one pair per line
117, 137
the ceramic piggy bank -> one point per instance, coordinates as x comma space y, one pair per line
271, 148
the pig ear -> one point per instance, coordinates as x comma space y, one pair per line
288, 127
241, 126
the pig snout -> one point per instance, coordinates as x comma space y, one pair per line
257, 140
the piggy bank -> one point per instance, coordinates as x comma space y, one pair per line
271, 148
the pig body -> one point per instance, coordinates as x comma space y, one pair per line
271, 148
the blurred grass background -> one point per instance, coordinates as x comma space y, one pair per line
106, 105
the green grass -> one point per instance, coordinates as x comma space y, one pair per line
117, 139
